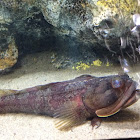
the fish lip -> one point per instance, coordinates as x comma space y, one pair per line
128, 93
133, 99
137, 93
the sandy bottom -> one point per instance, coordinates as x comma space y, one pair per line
36, 70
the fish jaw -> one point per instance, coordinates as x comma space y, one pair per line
133, 99
124, 101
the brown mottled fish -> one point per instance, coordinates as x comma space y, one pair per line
73, 101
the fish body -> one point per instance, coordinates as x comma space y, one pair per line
73, 101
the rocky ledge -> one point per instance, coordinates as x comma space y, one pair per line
75, 30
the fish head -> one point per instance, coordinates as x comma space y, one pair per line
117, 92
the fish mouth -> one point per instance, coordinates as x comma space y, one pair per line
128, 98
134, 98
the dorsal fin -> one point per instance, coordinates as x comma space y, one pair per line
85, 76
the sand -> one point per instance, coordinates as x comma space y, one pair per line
36, 69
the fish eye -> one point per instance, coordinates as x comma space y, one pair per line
117, 82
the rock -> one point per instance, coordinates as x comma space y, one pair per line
101, 27
8, 58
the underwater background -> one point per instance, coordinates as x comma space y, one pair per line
124, 124
44, 41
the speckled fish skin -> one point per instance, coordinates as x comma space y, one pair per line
80, 97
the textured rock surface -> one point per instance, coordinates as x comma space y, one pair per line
9, 57
38, 25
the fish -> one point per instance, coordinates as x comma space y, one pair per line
74, 101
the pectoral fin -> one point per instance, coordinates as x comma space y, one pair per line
69, 115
